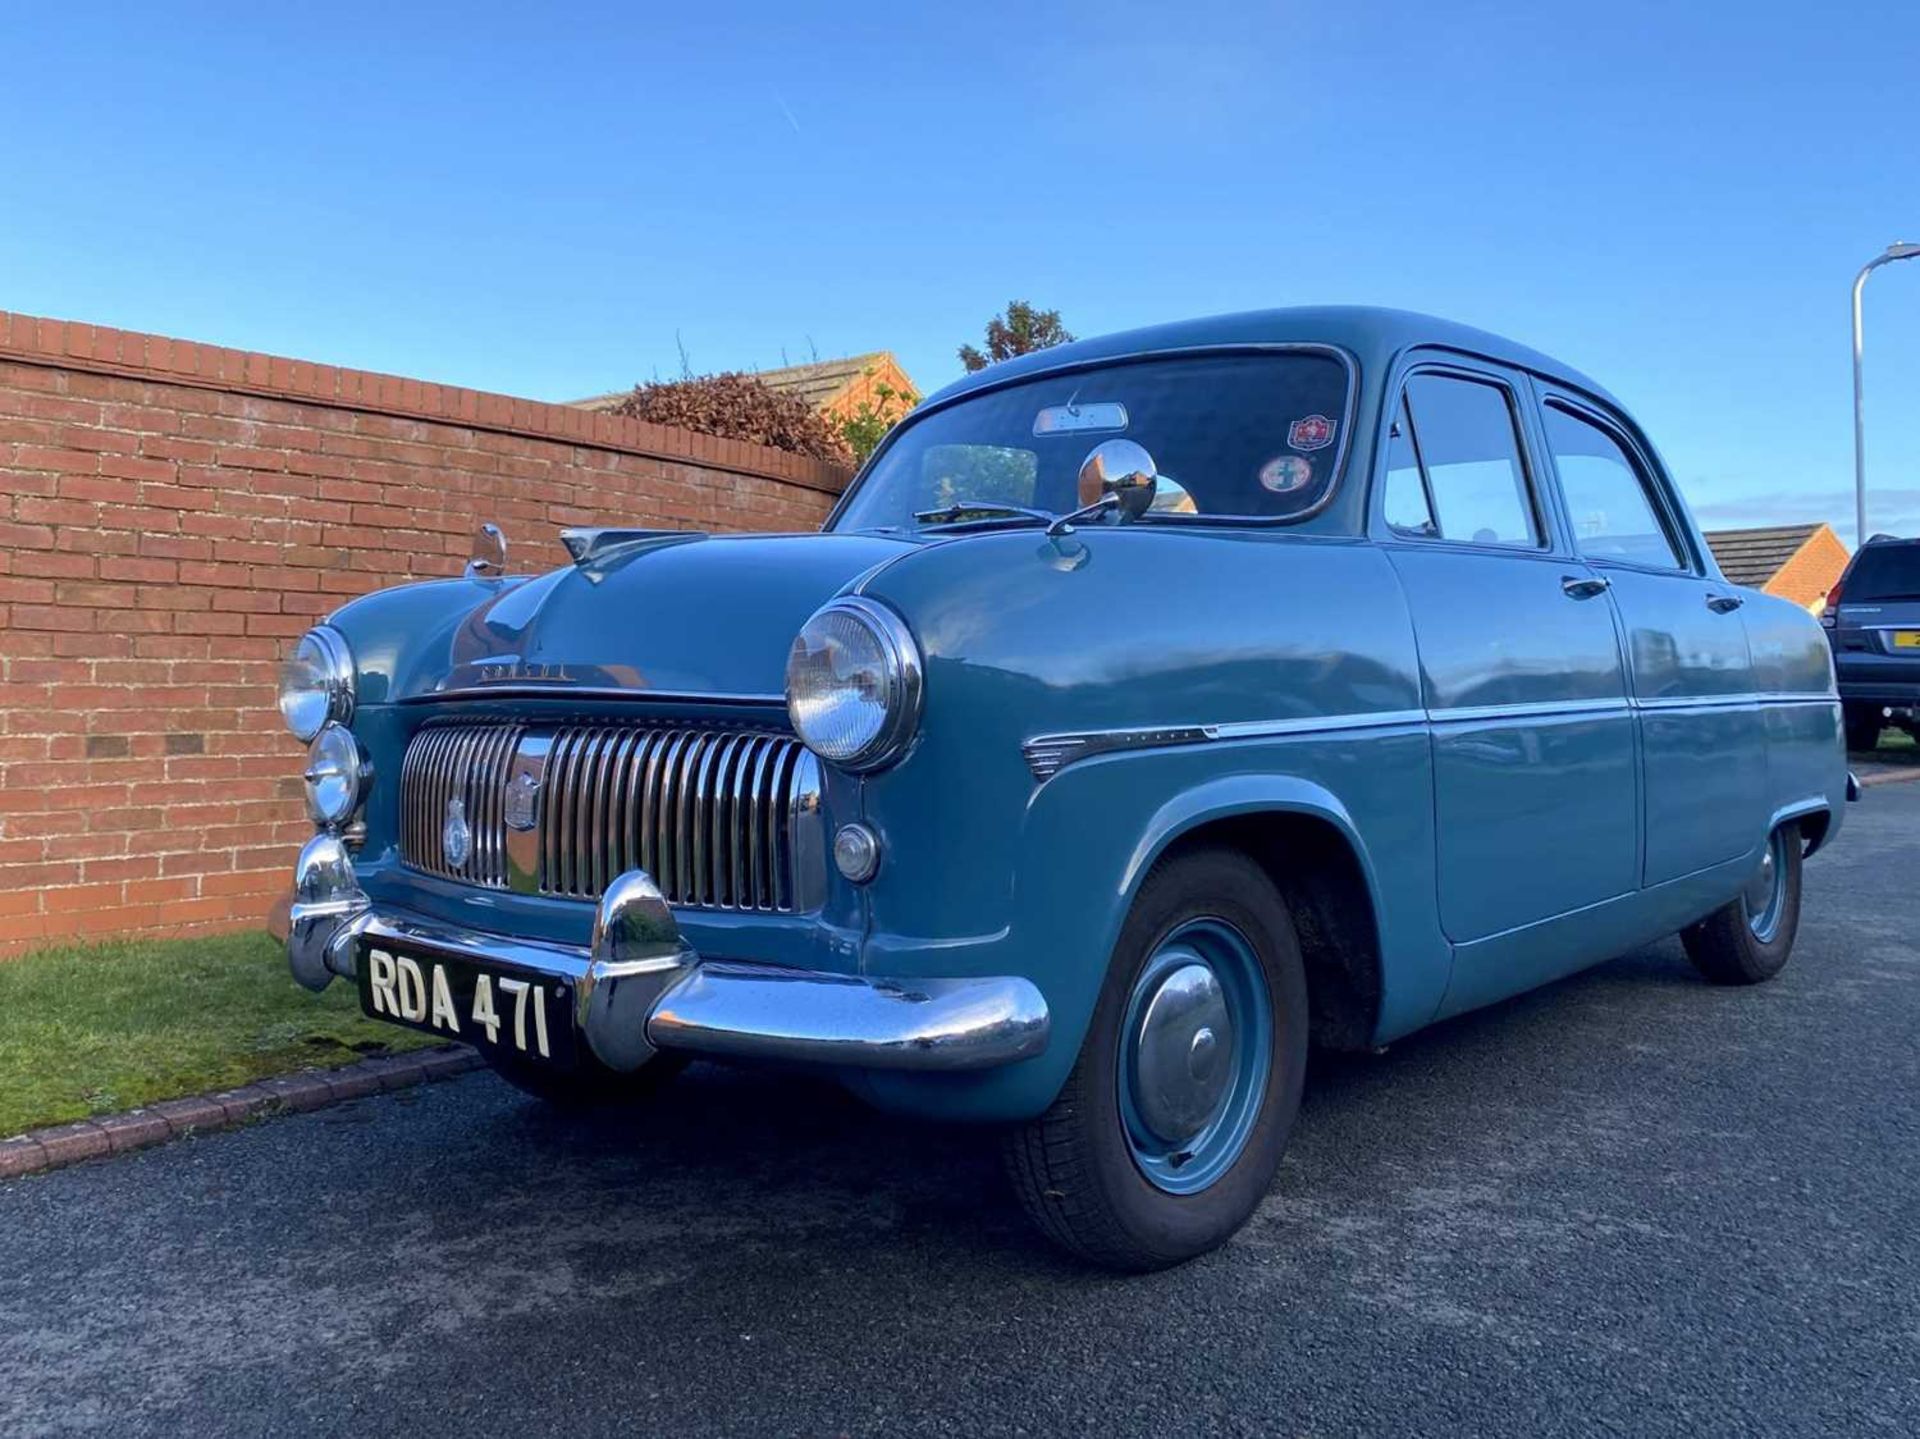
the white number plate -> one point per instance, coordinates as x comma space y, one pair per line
464, 1001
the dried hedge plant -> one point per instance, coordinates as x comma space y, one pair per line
739, 407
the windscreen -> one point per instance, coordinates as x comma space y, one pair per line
1884, 572
1244, 435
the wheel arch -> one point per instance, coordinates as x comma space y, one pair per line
1814, 816
1306, 842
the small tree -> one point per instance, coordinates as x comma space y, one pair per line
872, 418
1020, 331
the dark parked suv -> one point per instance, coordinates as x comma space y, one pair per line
1873, 623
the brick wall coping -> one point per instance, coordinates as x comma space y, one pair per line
70, 344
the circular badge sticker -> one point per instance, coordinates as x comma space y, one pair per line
1283, 474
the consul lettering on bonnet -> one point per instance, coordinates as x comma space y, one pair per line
1149, 710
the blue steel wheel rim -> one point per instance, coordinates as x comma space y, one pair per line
1765, 897
1188, 1162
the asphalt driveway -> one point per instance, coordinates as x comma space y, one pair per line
1630, 1203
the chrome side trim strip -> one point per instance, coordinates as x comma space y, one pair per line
1047, 755
1537, 709
1762, 700
1262, 729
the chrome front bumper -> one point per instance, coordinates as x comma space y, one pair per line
639, 988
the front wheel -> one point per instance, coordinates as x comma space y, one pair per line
1748, 939
1168, 1132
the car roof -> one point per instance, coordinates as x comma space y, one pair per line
1371, 334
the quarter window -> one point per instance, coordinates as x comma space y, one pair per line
1613, 514
1456, 471
1409, 510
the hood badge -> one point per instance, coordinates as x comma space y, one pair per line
456, 837
521, 806
512, 670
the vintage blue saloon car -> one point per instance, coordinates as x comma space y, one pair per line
1149, 709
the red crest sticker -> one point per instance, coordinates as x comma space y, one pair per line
1314, 432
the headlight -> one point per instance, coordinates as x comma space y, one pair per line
335, 774
853, 684
316, 683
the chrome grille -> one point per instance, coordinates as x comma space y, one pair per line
470, 763
724, 819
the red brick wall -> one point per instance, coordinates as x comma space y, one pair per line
174, 515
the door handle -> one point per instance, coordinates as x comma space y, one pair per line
1724, 604
1576, 588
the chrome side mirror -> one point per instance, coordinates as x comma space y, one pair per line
1122, 469
488, 558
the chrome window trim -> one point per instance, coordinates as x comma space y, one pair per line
1343, 442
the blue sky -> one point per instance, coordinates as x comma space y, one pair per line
1672, 196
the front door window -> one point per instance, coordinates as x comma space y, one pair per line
1454, 470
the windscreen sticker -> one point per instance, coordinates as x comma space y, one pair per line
1310, 432
1283, 474
1080, 417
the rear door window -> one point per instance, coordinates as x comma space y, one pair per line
1610, 502
1454, 469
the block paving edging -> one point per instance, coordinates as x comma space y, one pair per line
55, 1148
1887, 776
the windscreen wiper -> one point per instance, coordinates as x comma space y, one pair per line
985, 509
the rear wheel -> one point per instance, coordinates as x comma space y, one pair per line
1168, 1132
588, 1086
1748, 940
1864, 723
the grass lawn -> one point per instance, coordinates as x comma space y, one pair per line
92, 1029
1895, 747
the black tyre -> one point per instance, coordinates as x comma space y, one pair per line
1168, 1131
1748, 940
590, 1085
1864, 723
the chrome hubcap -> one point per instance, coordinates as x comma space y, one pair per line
1766, 891
1182, 1054
1196, 1047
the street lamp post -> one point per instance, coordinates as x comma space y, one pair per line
1899, 250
